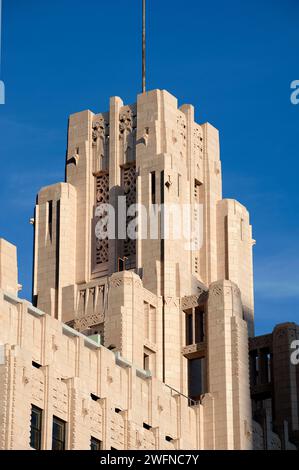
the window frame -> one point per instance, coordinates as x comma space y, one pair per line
97, 442
38, 429
59, 421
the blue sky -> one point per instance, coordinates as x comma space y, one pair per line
234, 60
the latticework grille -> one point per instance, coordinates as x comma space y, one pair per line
102, 197
129, 185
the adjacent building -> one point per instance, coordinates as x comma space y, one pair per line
275, 385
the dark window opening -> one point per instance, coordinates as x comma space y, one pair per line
36, 427
95, 444
50, 218
118, 410
36, 365
122, 264
168, 438
58, 434
189, 327
196, 378
254, 366
265, 366
199, 325
147, 426
94, 397
34, 300
153, 187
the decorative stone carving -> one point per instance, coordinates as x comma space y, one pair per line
81, 324
26, 379
127, 132
216, 291
193, 349
38, 386
102, 197
116, 282
171, 302
192, 301
96, 417
60, 397
99, 129
129, 185
197, 142
182, 132
150, 298
100, 143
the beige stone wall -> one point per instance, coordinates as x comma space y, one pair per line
234, 243
228, 367
8, 267
45, 363
73, 368
55, 246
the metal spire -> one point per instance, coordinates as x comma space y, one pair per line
143, 46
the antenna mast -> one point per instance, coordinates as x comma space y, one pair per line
143, 46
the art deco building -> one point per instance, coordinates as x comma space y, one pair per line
131, 344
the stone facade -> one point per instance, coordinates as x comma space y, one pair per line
153, 355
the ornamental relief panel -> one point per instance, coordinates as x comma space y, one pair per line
182, 134
101, 243
100, 143
129, 178
197, 142
127, 133
91, 306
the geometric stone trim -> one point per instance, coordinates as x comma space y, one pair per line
192, 301
88, 321
194, 350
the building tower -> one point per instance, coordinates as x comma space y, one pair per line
184, 315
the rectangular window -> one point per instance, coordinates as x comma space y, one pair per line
50, 218
189, 327
95, 444
254, 365
153, 187
196, 378
58, 434
265, 366
36, 427
199, 326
